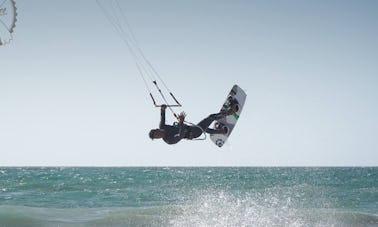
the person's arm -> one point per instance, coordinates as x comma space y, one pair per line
162, 116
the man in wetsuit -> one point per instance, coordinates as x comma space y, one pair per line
172, 134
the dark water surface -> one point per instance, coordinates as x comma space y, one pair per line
188, 196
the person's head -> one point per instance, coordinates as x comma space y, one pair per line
156, 134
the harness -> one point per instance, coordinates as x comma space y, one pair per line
188, 134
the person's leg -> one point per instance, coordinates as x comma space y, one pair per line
215, 131
205, 123
193, 132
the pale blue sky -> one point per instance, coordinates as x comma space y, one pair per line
70, 93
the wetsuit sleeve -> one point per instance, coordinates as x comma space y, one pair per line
162, 118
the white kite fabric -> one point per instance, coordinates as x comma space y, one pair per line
8, 19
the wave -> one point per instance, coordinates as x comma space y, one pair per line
114, 216
214, 206
215, 212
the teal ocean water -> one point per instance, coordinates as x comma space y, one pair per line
188, 196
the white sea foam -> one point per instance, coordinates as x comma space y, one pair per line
220, 208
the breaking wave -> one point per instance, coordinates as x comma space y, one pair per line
205, 208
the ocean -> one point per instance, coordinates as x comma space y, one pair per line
204, 196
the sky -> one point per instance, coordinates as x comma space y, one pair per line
70, 93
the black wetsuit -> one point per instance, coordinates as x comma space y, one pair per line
174, 133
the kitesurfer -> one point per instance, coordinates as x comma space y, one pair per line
172, 134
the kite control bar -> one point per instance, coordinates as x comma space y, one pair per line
162, 95
168, 105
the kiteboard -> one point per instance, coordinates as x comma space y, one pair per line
235, 101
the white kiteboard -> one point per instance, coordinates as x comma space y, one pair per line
236, 97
